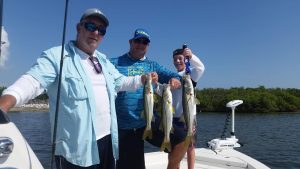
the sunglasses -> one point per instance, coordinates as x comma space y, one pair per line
140, 41
96, 64
93, 27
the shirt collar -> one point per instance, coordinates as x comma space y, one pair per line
82, 54
143, 58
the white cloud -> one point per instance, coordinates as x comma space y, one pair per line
4, 47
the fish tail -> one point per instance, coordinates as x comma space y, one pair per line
147, 133
166, 145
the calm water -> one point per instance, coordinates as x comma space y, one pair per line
269, 138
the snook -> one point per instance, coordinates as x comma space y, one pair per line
167, 117
148, 107
189, 102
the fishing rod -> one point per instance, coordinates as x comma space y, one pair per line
59, 86
1, 14
186, 61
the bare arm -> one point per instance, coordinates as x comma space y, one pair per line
23, 90
7, 102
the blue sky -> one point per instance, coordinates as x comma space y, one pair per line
243, 43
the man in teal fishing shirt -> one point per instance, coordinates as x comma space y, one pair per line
87, 133
130, 105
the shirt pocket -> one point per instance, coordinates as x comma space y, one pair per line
75, 87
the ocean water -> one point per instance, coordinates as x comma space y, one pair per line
272, 139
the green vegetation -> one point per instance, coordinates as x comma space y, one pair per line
43, 96
255, 99
1, 89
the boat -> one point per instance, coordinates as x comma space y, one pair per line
15, 152
207, 158
220, 153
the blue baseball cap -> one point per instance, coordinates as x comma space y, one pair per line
141, 33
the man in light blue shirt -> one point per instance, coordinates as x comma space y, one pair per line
87, 131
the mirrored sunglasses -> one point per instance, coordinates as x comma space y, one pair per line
93, 27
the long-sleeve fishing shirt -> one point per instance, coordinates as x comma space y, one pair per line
76, 133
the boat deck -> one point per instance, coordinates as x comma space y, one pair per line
207, 159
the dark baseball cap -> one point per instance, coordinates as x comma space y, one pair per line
141, 33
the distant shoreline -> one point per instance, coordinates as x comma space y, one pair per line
31, 108
44, 107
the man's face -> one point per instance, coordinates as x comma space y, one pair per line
89, 35
178, 61
138, 47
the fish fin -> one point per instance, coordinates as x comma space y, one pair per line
147, 133
168, 146
196, 100
182, 119
195, 121
172, 130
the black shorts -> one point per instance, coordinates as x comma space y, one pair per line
181, 124
176, 137
131, 149
131, 144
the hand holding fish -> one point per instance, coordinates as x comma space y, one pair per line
154, 77
174, 83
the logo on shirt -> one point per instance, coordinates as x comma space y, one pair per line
133, 71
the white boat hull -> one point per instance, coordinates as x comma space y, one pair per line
22, 155
207, 159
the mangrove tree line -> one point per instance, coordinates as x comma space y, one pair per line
258, 99
255, 99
